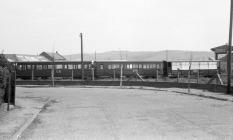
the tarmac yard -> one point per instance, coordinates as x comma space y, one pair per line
126, 114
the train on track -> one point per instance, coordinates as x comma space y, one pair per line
113, 69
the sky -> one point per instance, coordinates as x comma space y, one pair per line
33, 26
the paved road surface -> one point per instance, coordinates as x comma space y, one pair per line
125, 114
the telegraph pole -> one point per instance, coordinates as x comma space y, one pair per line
95, 55
81, 36
229, 52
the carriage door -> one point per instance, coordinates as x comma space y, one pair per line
167, 68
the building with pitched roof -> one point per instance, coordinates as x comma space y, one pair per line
53, 56
25, 58
223, 63
220, 50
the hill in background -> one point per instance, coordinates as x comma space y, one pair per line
145, 56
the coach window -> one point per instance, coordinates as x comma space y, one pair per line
212, 65
109, 66
85, 66
50, 66
140, 66
90, 66
70, 66
194, 65
208, 65
151, 66
203, 65
20, 67
154, 66
135, 66
101, 66
44, 67
144, 66
175, 66
148, 66
39, 67
28, 67
58, 66
65, 67
130, 66
23, 67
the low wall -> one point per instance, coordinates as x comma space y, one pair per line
209, 87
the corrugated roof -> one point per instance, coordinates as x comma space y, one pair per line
11, 57
53, 56
221, 49
31, 58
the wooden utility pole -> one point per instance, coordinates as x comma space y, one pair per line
82, 67
95, 55
229, 52
53, 68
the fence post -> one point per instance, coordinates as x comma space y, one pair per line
8, 92
114, 74
93, 74
216, 77
13, 89
189, 81
178, 76
52, 76
72, 74
121, 75
32, 74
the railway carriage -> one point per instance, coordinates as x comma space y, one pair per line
106, 69
204, 68
129, 68
44, 70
